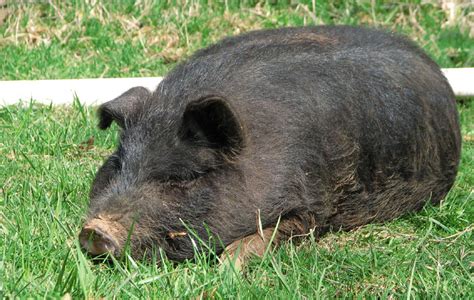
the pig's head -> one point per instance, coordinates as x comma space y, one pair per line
162, 175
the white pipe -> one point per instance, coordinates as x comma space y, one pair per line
461, 80
97, 91
63, 91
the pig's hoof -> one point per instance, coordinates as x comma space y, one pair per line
99, 237
240, 251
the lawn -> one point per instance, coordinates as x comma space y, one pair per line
49, 154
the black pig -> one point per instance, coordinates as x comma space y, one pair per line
317, 128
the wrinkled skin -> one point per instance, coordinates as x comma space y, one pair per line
319, 127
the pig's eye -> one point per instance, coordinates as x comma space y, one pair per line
176, 177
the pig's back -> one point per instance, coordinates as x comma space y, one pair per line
360, 124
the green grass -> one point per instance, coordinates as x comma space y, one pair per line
72, 39
47, 163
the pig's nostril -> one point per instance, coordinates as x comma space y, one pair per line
97, 242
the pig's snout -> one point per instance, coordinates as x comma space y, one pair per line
102, 236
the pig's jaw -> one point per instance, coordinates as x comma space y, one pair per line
102, 235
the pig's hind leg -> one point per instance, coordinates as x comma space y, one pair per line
240, 251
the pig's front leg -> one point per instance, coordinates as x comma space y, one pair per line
256, 244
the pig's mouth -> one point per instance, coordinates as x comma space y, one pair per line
101, 236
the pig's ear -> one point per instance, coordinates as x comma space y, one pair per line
123, 108
213, 122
